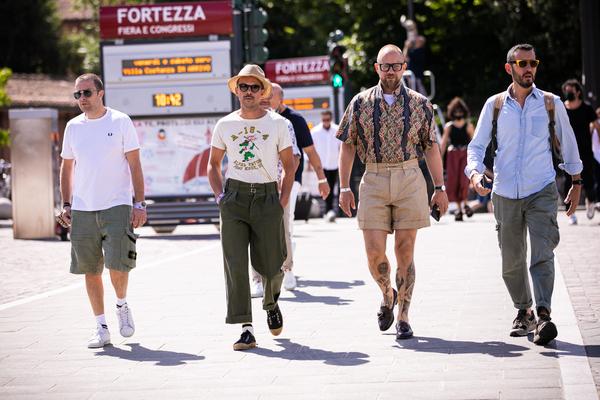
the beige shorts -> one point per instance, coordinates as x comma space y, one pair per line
102, 238
393, 196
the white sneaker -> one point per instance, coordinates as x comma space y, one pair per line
289, 280
330, 216
126, 325
573, 220
100, 338
256, 288
591, 210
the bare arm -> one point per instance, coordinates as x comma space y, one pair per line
470, 130
138, 215
66, 191
315, 161
347, 153
434, 163
288, 161
215, 177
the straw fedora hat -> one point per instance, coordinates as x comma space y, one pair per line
254, 71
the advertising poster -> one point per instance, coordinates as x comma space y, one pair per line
174, 154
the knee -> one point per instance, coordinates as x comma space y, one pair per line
375, 255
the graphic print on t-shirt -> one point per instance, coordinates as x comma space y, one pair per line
248, 149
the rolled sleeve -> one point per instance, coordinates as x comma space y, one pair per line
572, 164
130, 137
429, 133
481, 140
67, 151
347, 130
217, 137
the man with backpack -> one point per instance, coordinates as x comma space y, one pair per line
528, 130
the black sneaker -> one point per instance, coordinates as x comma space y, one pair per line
247, 341
523, 324
275, 320
403, 330
458, 216
468, 211
385, 316
545, 331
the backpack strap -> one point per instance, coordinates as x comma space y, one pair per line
549, 103
498, 103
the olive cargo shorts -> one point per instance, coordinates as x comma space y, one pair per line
106, 231
251, 215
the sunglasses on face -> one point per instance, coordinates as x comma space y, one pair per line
86, 93
253, 88
523, 63
395, 66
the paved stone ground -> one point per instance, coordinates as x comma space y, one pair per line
330, 347
579, 257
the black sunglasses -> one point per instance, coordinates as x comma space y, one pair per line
395, 66
86, 93
523, 63
253, 88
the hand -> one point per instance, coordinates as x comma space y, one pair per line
324, 190
476, 182
64, 218
441, 199
573, 198
347, 203
138, 217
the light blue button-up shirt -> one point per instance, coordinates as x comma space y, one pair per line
523, 162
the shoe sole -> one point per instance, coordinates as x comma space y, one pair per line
546, 335
276, 332
404, 336
122, 334
99, 346
243, 346
383, 329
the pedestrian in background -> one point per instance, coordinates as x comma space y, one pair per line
525, 196
250, 203
455, 139
581, 116
328, 148
306, 145
100, 164
390, 127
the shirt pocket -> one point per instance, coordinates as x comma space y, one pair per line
539, 126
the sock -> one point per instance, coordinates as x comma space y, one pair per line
101, 320
247, 327
120, 302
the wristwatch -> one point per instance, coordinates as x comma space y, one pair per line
441, 188
140, 205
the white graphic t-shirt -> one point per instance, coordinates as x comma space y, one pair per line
101, 173
252, 145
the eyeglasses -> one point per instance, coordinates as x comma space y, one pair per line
395, 66
253, 88
523, 63
86, 93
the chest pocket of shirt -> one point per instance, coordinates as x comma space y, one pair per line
539, 126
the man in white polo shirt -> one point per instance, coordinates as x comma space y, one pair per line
328, 148
101, 162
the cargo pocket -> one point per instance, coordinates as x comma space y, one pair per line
128, 249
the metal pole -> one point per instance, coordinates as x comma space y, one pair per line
411, 11
336, 105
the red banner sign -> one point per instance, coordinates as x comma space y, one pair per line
298, 71
166, 20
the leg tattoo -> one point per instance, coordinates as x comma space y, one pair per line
384, 283
405, 290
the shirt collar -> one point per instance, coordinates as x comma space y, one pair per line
397, 92
536, 93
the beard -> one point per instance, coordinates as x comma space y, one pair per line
390, 83
523, 82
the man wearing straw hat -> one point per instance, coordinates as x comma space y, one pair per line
251, 207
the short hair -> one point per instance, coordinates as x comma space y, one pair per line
573, 82
456, 104
91, 77
277, 86
326, 112
388, 47
523, 46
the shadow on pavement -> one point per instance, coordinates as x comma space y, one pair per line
303, 297
298, 352
330, 284
211, 236
140, 353
560, 348
437, 345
